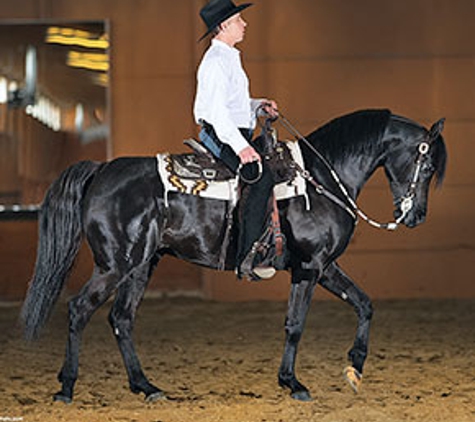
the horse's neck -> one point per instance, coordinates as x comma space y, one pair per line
356, 145
356, 171
353, 171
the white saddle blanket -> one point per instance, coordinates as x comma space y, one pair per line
228, 190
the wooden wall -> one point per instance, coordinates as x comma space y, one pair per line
324, 58
319, 59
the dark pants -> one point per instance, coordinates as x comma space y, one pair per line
255, 197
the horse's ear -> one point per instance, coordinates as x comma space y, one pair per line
436, 128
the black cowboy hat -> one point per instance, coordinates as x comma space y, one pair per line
217, 11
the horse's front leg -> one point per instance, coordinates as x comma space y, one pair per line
303, 286
338, 283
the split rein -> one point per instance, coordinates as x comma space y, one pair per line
406, 202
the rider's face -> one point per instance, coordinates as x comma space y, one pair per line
234, 28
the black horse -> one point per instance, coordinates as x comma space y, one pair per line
119, 206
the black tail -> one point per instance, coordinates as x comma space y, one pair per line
59, 239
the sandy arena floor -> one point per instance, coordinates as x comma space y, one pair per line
219, 362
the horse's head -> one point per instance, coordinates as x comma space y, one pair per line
415, 157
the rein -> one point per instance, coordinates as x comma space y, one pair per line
406, 201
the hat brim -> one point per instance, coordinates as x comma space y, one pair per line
233, 12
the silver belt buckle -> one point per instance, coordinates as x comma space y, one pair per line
209, 173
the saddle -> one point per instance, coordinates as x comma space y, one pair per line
199, 173
200, 165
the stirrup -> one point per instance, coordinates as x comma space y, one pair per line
264, 272
257, 272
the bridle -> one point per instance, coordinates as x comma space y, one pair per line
406, 202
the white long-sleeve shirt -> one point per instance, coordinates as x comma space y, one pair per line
222, 95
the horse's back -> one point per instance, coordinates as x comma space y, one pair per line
124, 173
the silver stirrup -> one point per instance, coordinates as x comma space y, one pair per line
264, 272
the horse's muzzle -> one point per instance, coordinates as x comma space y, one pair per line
413, 218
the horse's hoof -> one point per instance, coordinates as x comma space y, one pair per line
353, 377
152, 398
301, 396
62, 398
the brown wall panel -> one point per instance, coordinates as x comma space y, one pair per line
318, 91
18, 247
382, 275
319, 59
159, 101
418, 274
454, 91
8, 168
152, 74
460, 137
450, 26
21, 9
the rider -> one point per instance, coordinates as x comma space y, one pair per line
227, 115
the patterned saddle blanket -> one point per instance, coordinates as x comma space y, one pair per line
201, 175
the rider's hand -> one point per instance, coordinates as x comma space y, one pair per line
249, 155
270, 107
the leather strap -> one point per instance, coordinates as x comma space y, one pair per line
279, 244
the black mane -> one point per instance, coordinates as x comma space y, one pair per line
351, 134
359, 132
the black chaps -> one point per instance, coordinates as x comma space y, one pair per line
255, 197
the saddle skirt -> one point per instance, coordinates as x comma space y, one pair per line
201, 175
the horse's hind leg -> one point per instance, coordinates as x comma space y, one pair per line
121, 318
301, 293
94, 293
338, 283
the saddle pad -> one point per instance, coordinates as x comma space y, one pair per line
227, 190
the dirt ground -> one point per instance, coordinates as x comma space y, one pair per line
219, 362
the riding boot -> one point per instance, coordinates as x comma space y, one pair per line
255, 208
